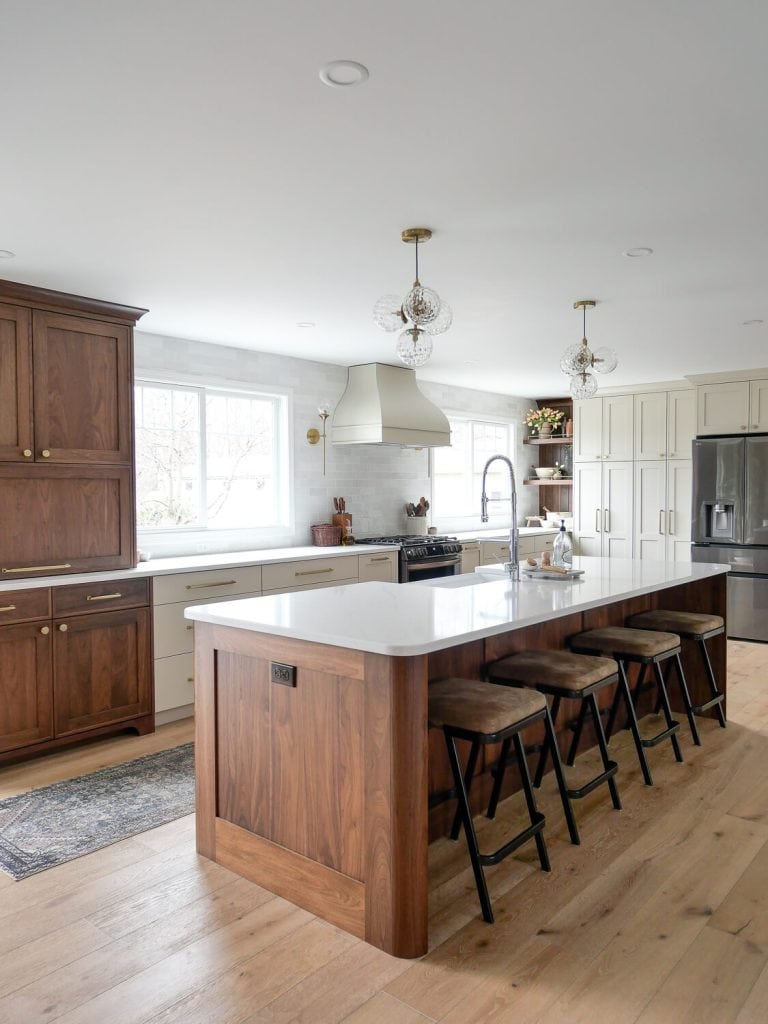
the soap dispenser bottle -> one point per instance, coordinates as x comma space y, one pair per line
562, 549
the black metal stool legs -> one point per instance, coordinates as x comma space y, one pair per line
468, 775
632, 722
464, 815
717, 697
609, 767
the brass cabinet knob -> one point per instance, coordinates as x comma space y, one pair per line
45, 630
63, 627
27, 453
45, 453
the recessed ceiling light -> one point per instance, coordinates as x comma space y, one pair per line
6, 254
638, 253
305, 323
752, 323
342, 73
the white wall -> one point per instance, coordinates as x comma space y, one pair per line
376, 481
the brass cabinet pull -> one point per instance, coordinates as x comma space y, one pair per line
190, 679
314, 572
382, 558
204, 586
63, 627
102, 597
37, 568
8, 608
190, 627
45, 630
27, 453
45, 453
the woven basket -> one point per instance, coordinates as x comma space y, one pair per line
325, 536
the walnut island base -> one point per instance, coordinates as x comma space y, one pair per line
315, 766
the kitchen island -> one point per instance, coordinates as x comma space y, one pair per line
315, 766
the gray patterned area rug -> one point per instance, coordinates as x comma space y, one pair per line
57, 823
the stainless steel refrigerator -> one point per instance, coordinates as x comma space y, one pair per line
730, 524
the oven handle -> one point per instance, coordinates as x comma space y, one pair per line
434, 565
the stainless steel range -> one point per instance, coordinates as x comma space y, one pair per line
423, 558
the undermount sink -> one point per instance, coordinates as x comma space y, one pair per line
468, 579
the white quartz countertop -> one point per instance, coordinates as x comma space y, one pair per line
416, 618
189, 563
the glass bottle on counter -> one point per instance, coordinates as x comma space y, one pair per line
562, 549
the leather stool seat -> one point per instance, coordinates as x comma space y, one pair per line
691, 625
477, 707
620, 641
560, 669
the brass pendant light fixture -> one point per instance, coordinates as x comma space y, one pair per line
419, 316
579, 362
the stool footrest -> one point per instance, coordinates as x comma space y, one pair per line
699, 709
586, 789
652, 741
488, 859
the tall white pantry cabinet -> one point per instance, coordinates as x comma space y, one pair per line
632, 474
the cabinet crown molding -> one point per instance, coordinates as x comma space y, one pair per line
729, 376
46, 298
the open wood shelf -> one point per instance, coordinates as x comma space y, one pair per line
547, 440
550, 482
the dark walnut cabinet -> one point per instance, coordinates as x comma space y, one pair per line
81, 667
66, 433
75, 660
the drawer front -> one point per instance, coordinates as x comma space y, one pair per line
174, 682
382, 568
22, 605
197, 587
526, 546
491, 550
173, 634
287, 575
95, 597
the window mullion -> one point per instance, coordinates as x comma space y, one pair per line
203, 456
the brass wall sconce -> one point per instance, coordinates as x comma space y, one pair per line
314, 436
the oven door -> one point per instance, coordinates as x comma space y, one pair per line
430, 568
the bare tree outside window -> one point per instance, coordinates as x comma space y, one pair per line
205, 459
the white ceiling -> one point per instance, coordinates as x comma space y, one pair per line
184, 156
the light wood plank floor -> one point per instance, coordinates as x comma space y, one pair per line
660, 917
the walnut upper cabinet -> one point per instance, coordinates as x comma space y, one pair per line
66, 432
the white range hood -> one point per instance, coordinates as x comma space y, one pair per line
383, 405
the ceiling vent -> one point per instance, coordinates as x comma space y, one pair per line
383, 405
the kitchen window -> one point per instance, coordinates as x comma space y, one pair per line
457, 472
210, 459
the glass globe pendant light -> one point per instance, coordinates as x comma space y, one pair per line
579, 362
422, 312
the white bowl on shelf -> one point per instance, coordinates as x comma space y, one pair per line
545, 472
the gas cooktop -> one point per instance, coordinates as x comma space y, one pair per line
407, 538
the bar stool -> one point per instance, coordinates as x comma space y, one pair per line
563, 676
471, 710
645, 648
695, 626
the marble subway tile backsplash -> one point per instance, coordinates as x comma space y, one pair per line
376, 481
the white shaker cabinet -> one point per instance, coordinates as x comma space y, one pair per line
724, 408
758, 405
665, 424
603, 429
663, 510
603, 512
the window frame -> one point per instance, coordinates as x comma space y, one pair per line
197, 538
497, 519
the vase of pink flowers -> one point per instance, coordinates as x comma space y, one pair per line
543, 420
